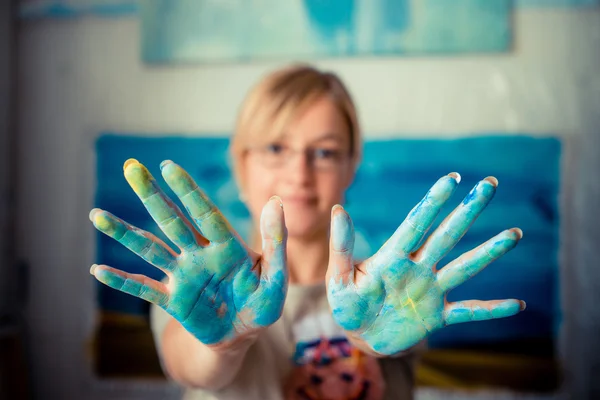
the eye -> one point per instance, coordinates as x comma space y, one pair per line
274, 148
326, 154
347, 377
316, 380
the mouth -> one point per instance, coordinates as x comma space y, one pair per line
297, 200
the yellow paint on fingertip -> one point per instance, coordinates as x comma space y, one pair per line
103, 223
135, 185
129, 162
138, 177
137, 166
92, 213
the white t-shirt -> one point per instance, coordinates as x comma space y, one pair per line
305, 355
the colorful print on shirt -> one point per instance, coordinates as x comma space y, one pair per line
329, 367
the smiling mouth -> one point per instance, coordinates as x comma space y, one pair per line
299, 200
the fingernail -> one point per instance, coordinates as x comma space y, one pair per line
335, 207
275, 197
93, 268
92, 213
456, 176
129, 162
164, 163
492, 180
519, 232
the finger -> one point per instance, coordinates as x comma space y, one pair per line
274, 239
454, 227
167, 215
266, 293
144, 244
419, 220
208, 218
354, 305
469, 264
341, 247
477, 310
134, 284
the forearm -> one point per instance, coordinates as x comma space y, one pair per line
193, 364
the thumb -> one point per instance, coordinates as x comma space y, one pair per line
274, 238
341, 247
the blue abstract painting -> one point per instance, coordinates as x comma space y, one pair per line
397, 20
394, 176
237, 30
556, 3
75, 8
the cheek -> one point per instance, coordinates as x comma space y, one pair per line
259, 188
333, 191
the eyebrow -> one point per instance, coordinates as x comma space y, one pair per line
322, 138
328, 136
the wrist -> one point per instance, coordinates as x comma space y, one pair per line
362, 345
240, 344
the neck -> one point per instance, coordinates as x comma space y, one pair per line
308, 259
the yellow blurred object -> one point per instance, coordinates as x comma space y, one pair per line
123, 346
470, 369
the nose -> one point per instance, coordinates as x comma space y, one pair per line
298, 169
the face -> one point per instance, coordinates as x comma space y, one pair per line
309, 167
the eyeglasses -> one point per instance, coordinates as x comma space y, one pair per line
277, 155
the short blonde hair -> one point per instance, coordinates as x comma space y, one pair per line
279, 98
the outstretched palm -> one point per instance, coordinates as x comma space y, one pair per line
394, 299
218, 288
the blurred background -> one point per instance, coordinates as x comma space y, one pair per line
483, 87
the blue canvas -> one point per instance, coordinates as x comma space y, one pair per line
395, 19
207, 31
394, 176
75, 8
556, 3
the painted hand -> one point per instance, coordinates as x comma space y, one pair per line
218, 288
394, 299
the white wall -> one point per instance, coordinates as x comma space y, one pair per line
80, 77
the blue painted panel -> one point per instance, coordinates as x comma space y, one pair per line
326, 17
74, 8
205, 30
556, 3
393, 178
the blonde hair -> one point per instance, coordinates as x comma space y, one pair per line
279, 98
